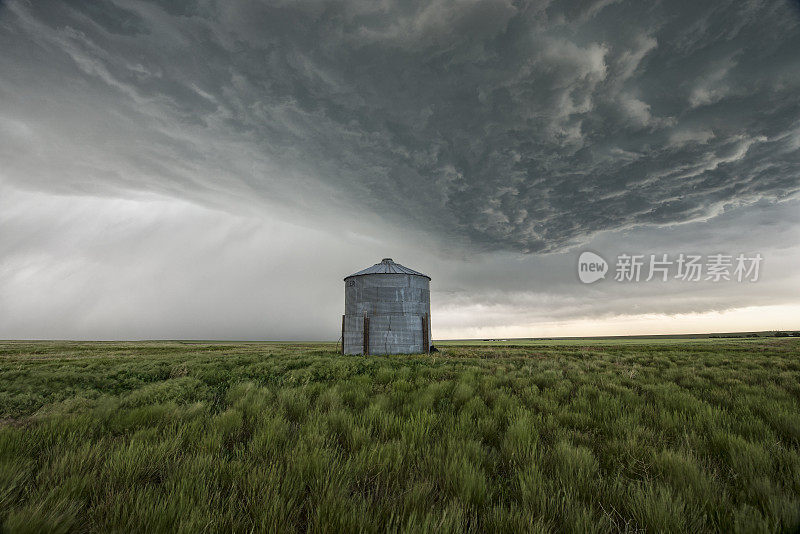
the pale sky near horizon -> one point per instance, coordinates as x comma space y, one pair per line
212, 170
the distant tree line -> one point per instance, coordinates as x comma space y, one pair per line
777, 333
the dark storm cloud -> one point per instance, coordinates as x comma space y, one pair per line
523, 126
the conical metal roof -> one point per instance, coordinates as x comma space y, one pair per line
387, 266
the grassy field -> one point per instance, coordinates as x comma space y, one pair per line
721, 338
581, 437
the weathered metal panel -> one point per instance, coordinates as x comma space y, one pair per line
396, 302
354, 334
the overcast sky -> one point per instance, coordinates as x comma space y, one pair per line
212, 170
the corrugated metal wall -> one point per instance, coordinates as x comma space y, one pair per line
395, 304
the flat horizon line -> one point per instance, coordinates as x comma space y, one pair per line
699, 335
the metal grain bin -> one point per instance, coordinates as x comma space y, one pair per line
387, 310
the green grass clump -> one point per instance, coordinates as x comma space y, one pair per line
593, 437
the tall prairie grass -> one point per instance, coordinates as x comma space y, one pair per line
171, 437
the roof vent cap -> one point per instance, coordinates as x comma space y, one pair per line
386, 260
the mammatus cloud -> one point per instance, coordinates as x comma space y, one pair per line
211, 169
498, 125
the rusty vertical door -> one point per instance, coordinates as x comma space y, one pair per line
366, 335
428, 332
343, 334
425, 345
